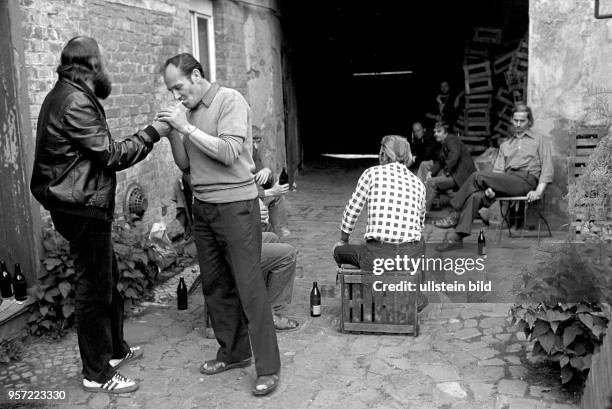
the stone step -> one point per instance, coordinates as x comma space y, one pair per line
14, 316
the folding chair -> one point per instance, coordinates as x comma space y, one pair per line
506, 204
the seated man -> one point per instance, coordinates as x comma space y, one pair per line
446, 106
523, 167
423, 146
183, 199
272, 194
278, 266
277, 262
451, 168
395, 200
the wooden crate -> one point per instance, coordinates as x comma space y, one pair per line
474, 50
477, 70
504, 96
366, 310
475, 139
477, 115
478, 78
583, 141
478, 129
505, 114
520, 59
476, 150
478, 101
488, 35
475, 85
459, 124
502, 63
503, 128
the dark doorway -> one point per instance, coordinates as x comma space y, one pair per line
340, 112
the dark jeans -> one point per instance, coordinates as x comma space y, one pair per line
228, 240
98, 303
470, 197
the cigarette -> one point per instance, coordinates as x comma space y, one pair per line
179, 104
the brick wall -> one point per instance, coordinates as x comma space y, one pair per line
135, 41
136, 37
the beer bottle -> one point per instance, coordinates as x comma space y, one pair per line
283, 179
481, 244
19, 284
268, 184
315, 300
5, 281
181, 295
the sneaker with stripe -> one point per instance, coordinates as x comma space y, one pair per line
117, 384
133, 353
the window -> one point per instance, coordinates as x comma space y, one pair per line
202, 36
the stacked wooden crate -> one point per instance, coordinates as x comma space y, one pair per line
478, 78
594, 222
495, 76
511, 69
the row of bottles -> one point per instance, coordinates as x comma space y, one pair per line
16, 284
315, 298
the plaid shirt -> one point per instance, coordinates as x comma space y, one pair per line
396, 204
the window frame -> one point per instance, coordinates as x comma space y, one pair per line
195, 41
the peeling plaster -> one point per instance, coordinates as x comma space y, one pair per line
9, 134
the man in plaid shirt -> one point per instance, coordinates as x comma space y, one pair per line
395, 200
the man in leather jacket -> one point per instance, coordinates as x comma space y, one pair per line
74, 178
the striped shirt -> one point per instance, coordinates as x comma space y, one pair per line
395, 201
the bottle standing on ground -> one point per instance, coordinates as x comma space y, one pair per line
19, 284
181, 295
482, 251
315, 300
5, 281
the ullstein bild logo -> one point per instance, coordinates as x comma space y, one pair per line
432, 286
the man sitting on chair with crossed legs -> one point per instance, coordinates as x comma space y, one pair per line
523, 168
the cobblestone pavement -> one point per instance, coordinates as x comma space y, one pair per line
466, 355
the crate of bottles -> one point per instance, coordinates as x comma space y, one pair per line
366, 307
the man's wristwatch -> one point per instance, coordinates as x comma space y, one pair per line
188, 130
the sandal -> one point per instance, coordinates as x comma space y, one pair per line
215, 366
265, 384
285, 324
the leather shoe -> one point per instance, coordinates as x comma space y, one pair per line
447, 222
451, 244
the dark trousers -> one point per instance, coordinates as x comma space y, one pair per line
435, 186
98, 303
228, 241
470, 197
363, 255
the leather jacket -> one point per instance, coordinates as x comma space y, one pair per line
76, 158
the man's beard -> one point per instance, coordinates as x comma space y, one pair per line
102, 84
